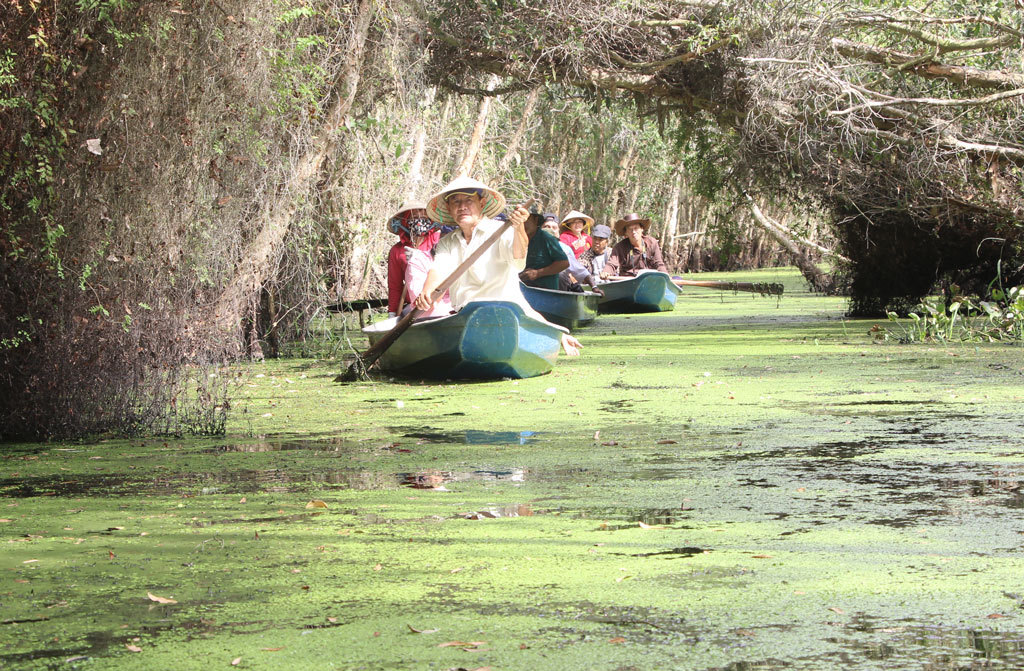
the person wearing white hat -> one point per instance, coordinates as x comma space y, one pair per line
576, 232
471, 205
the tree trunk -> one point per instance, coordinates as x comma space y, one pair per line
277, 217
517, 137
419, 144
815, 278
616, 196
670, 242
476, 140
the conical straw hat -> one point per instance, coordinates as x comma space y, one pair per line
576, 214
437, 208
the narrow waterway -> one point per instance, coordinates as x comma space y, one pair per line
744, 483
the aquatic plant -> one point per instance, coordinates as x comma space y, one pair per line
961, 319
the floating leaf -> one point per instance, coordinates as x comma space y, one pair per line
316, 503
836, 609
761, 556
422, 631
30, 561
378, 567
610, 443
617, 640
133, 648
996, 616
666, 441
4, 520
159, 599
465, 645
597, 434
651, 526
236, 661
272, 649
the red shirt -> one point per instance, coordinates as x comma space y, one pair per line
397, 263
578, 244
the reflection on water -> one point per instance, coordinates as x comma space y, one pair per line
435, 479
475, 437
933, 648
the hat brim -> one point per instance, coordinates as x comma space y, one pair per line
588, 222
437, 207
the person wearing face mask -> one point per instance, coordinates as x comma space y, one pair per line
400, 223
418, 267
636, 253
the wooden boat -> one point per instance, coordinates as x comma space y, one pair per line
647, 292
565, 308
484, 340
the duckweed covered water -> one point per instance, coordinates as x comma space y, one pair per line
744, 483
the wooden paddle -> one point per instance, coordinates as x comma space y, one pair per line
763, 288
372, 355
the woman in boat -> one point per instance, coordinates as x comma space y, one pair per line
576, 275
471, 205
636, 252
399, 224
576, 232
419, 263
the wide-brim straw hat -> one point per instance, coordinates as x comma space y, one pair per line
631, 218
407, 206
576, 214
437, 207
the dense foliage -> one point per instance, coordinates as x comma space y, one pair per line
185, 183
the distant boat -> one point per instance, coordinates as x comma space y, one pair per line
484, 340
565, 308
647, 292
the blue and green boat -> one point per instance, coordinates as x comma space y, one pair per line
565, 308
484, 340
647, 292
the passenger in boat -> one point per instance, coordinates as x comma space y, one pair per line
417, 268
595, 258
576, 275
545, 258
636, 252
399, 224
576, 232
471, 205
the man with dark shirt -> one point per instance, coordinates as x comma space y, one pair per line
637, 252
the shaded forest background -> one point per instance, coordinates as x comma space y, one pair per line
185, 183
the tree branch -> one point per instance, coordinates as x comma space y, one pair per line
957, 73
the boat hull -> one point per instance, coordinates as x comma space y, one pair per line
648, 292
484, 340
565, 308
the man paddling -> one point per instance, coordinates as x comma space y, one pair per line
470, 205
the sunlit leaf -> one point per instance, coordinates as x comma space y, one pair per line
316, 503
159, 599
422, 631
